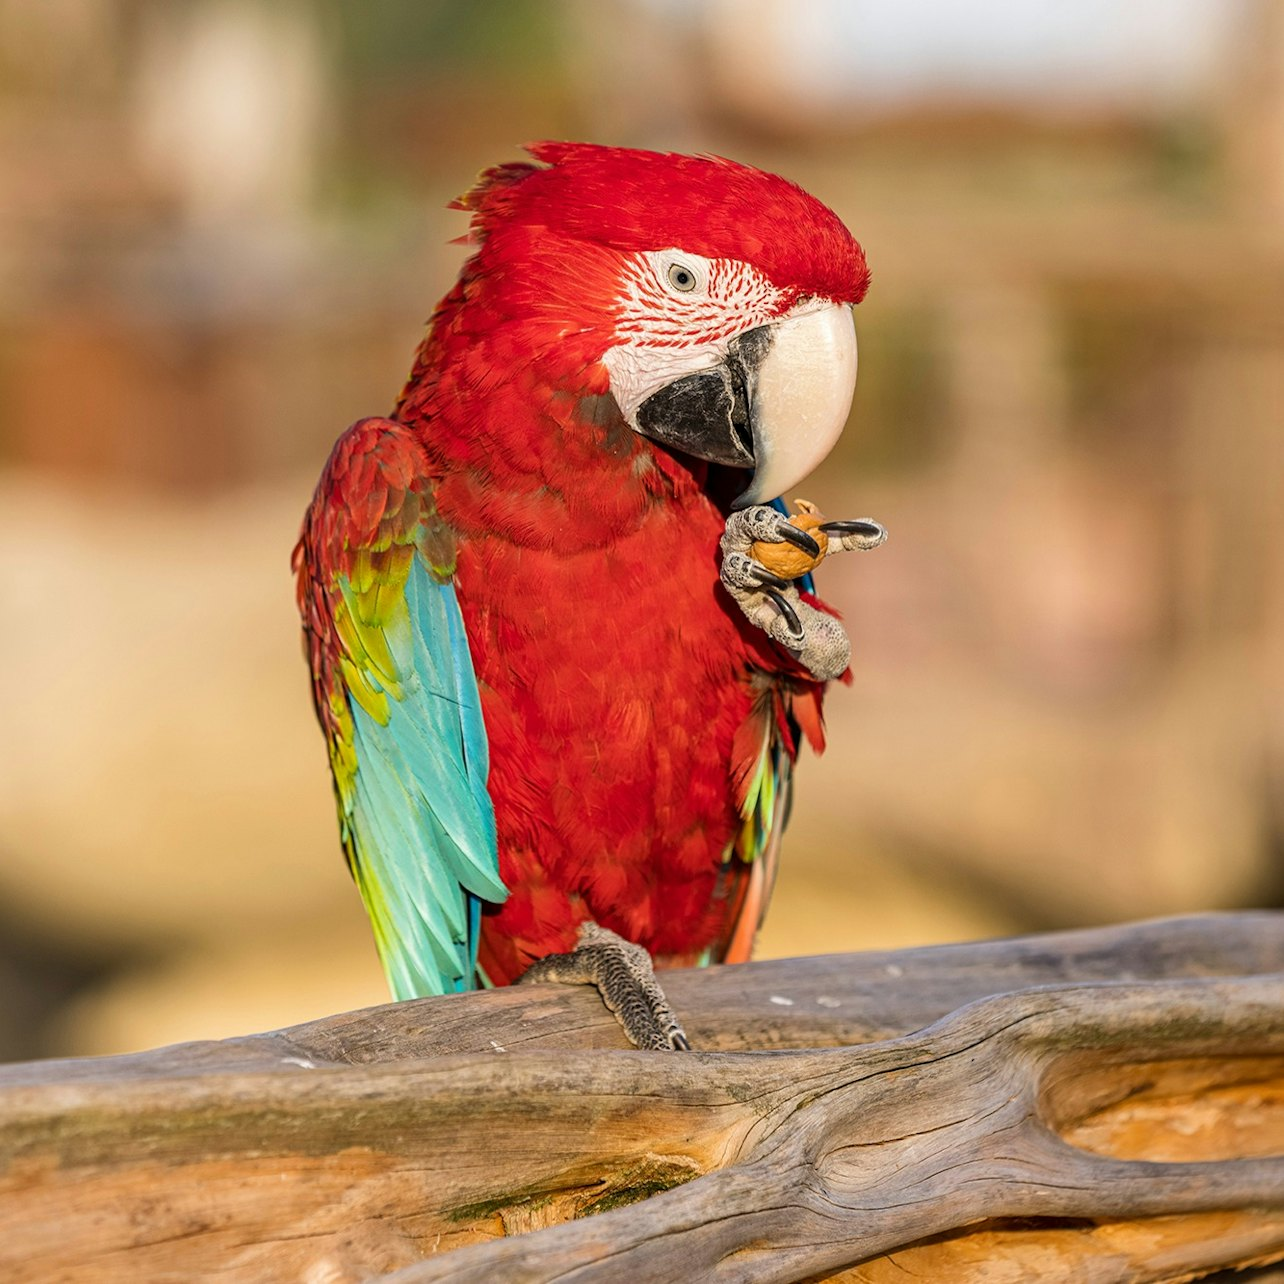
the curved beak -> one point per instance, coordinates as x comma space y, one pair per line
776, 403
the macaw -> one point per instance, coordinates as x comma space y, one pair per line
561, 696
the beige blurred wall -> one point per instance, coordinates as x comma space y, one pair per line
1068, 696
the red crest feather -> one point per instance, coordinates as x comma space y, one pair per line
630, 200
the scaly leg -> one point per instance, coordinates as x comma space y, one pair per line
625, 978
818, 640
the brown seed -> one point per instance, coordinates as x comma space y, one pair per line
788, 560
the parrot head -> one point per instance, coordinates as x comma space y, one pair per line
713, 301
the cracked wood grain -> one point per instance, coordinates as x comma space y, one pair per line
1039, 1124
856, 1153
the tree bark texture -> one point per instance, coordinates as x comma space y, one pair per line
1103, 1105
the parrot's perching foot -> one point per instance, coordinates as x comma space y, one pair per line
625, 978
772, 601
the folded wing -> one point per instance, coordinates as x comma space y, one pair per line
396, 695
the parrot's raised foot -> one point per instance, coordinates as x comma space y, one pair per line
772, 601
625, 978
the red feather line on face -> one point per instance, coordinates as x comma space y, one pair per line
628, 200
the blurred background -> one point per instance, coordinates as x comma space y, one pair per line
222, 225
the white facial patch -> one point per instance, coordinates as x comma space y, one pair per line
679, 314
670, 326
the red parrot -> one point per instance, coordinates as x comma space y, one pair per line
562, 697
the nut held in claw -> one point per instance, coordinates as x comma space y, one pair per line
788, 560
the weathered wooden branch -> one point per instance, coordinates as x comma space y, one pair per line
1097, 1105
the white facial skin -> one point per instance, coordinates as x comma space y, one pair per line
679, 312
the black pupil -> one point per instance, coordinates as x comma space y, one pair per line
682, 277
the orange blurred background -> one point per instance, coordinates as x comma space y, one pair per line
222, 225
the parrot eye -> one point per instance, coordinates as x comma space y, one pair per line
682, 278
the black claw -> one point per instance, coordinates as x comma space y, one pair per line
679, 1043
787, 531
766, 577
857, 527
795, 624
